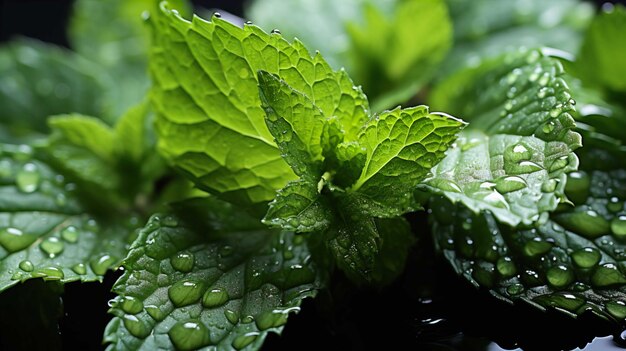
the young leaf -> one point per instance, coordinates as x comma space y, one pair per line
45, 231
191, 287
39, 80
572, 261
513, 158
401, 148
210, 121
601, 57
296, 124
298, 207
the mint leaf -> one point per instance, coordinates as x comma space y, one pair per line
401, 148
513, 158
39, 80
600, 61
572, 261
193, 287
298, 207
296, 124
215, 97
385, 55
45, 231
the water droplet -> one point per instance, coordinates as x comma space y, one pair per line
445, 185
545, 79
577, 187
185, 292
70, 234
495, 199
275, 31
52, 246
26, 266
515, 289
232, 316
183, 262
28, 178
578, 286
537, 247
587, 223
244, 340
559, 163
587, 257
247, 319
49, 273
533, 57
17, 276
217, 15
215, 297
13, 239
100, 265
617, 309
155, 312
549, 185
542, 93
548, 127
136, 327
618, 226
560, 276
79, 269
505, 266
508, 184
189, 335
131, 305
271, 319
60, 200
615, 205
287, 254
607, 275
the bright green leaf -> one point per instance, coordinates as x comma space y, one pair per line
298, 207
45, 232
602, 56
513, 158
210, 121
401, 148
296, 124
192, 287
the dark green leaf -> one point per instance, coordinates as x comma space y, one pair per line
192, 287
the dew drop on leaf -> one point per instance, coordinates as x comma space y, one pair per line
232, 316
13, 239
28, 178
26, 266
52, 246
618, 226
79, 269
244, 340
183, 262
189, 335
131, 305
185, 292
101, 264
136, 327
587, 257
215, 297
70, 234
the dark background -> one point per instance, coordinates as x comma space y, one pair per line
442, 313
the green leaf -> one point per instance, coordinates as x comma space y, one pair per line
298, 207
296, 124
401, 148
45, 231
194, 287
397, 239
513, 158
601, 57
209, 117
393, 57
354, 241
572, 261
39, 80
486, 29
113, 34
86, 132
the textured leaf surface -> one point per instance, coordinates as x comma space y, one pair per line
513, 158
573, 261
224, 287
298, 207
602, 56
45, 232
401, 148
39, 80
210, 121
